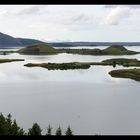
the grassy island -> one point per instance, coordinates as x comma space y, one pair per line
112, 50
116, 61
60, 66
47, 49
86, 65
126, 73
10, 60
123, 61
40, 49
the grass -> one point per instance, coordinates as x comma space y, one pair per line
60, 66
10, 60
112, 50
126, 73
40, 49
85, 65
47, 49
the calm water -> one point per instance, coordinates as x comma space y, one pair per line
90, 101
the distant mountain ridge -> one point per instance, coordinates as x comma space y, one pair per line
74, 44
28, 42
6, 40
9, 41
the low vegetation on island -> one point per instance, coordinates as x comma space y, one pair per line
126, 73
60, 66
39, 49
10, 127
10, 60
112, 50
85, 65
123, 61
47, 49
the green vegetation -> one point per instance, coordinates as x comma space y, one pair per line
6, 52
60, 66
126, 73
10, 127
69, 131
35, 130
118, 50
47, 49
58, 131
40, 49
112, 50
85, 65
123, 61
49, 131
84, 51
10, 60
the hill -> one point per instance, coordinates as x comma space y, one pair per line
39, 49
27, 42
112, 50
118, 50
8, 41
48, 49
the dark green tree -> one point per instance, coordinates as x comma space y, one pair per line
3, 127
35, 130
114, 64
58, 131
9, 127
49, 131
16, 130
68, 131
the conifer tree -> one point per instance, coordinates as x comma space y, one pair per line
35, 130
58, 131
49, 131
68, 131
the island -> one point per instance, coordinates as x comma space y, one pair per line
39, 49
116, 61
10, 60
85, 65
48, 49
126, 73
60, 66
112, 50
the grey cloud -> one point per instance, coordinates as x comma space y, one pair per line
79, 19
31, 10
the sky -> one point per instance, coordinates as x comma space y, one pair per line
72, 22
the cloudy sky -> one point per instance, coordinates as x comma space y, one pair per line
72, 22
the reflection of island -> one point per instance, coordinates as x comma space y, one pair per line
47, 49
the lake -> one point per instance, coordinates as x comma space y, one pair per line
90, 101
